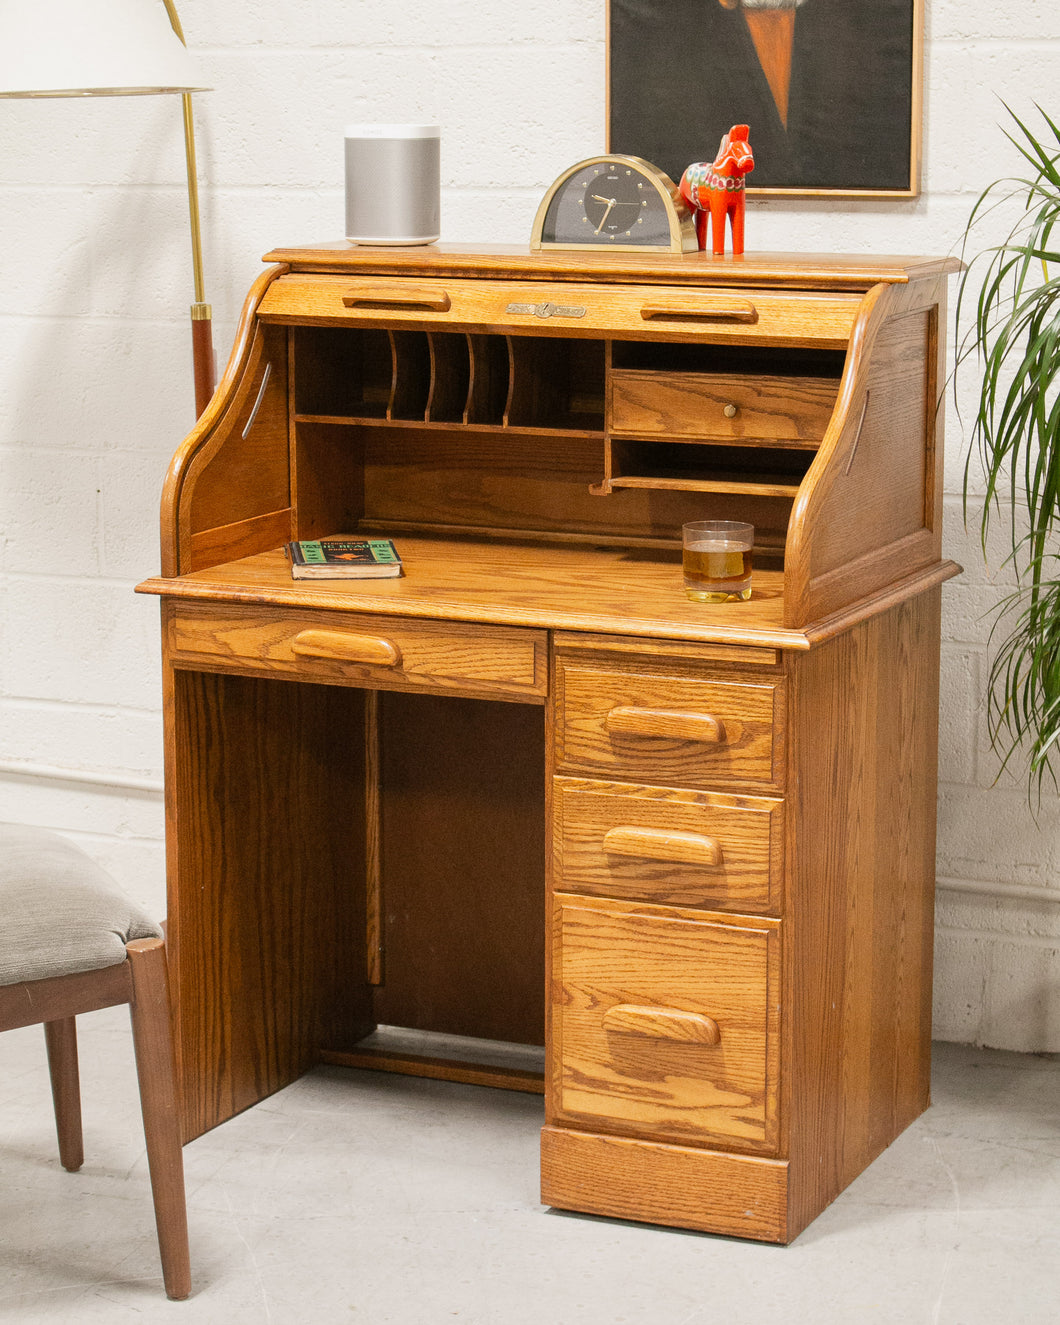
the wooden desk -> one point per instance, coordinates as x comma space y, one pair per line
530, 792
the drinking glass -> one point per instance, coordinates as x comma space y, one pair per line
717, 560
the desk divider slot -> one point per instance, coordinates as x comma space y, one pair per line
412, 375
343, 372
555, 383
450, 358
487, 395
524, 383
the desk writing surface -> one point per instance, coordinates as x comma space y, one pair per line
632, 591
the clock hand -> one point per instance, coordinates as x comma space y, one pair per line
607, 211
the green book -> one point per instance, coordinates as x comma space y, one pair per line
344, 559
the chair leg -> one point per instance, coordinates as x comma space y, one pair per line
61, 1039
153, 1042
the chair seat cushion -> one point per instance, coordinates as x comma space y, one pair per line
59, 911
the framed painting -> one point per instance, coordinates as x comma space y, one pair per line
831, 89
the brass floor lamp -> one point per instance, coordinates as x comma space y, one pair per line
70, 48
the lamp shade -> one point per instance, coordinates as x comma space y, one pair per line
69, 48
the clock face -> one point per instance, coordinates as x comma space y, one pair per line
614, 202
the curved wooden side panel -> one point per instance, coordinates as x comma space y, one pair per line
227, 490
869, 510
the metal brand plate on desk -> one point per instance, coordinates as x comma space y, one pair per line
548, 310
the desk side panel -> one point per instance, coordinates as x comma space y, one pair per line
265, 798
869, 511
228, 490
861, 868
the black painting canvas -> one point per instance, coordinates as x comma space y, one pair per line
828, 88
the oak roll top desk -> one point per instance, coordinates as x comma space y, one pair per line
529, 792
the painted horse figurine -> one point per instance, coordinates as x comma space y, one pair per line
716, 189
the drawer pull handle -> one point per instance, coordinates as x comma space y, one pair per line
730, 411
672, 1024
339, 647
628, 721
656, 844
406, 297
706, 311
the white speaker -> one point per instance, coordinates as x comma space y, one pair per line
393, 183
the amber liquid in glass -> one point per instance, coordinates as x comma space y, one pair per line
717, 571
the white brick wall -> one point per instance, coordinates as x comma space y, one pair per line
95, 381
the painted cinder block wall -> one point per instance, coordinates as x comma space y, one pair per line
95, 382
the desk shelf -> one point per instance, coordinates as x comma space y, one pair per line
760, 471
763, 485
440, 429
440, 377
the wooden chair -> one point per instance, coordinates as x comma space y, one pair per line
71, 942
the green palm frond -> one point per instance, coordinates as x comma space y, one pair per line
1024, 699
1013, 343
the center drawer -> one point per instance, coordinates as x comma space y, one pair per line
390, 653
567, 308
670, 730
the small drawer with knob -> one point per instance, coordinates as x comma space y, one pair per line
389, 653
665, 1024
721, 407
668, 846
679, 730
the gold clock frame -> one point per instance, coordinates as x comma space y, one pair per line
678, 213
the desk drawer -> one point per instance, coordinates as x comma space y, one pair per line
665, 1024
671, 730
723, 407
396, 653
675, 848
566, 308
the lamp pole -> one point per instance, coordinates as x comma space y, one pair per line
201, 312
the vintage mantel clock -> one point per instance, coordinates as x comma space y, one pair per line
615, 202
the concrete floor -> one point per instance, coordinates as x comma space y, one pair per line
359, 1197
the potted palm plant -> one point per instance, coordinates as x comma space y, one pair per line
1010, 298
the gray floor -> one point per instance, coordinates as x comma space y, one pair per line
358, 1197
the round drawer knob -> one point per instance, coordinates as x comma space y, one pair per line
730, 411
